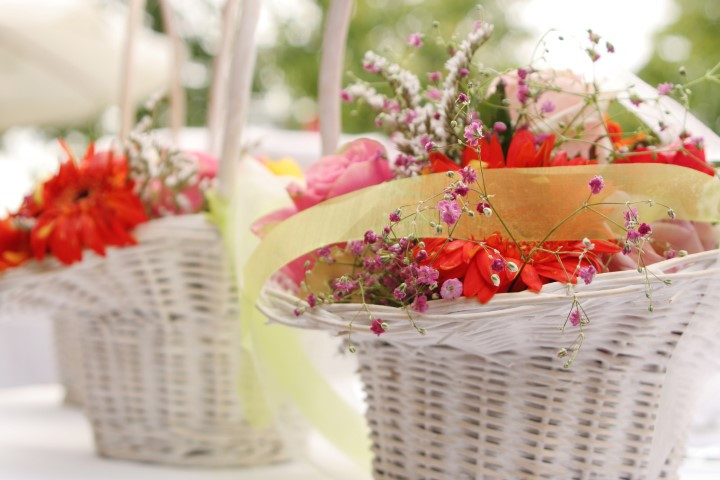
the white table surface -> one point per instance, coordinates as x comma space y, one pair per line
42, 440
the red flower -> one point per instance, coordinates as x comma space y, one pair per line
14, 245
686, 154
472, 263
524, 152
88, 204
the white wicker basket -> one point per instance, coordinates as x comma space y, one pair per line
161, 353
483, 396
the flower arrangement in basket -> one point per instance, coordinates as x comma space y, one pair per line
150, 322
517, 211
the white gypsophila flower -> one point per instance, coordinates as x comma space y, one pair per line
368, 94
461, 59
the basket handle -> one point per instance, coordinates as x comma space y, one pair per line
218, 88
177, 93
238, 93
331, 70
127, 109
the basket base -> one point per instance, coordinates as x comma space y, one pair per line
438, 413
246, 449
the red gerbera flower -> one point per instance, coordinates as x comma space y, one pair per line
88, 204
525, 151
474, 264
14, 244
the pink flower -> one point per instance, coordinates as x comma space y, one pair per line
451, 289
427, 275
359, 164
449, 210
473, 132
434, 77
574, 317
547, 107
345, 96
420, 304
499, 127
433, 94
469, 175
587, 274
415, 40
664, 88
596, 184
377, 327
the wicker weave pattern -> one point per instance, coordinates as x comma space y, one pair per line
482, 395
161, 350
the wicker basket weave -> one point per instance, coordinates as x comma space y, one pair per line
161, 353
483, 396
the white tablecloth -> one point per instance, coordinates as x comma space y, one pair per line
42, 440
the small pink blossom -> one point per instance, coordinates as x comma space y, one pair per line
427, 275
450, 211
596, 184
547, 107
587, 274
370, 237
345, 96
499, 127
415, 40
461, 189
434, 77
464, 72
498, 265
574, 317
395, 216
433, 94
451, 289
644, 229
311, 300
473, 132
429, 146
462, 97
420, 304
356, 247
665, 88
469, 175
377, 327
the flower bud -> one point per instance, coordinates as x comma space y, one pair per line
351, 348
487, 212
671, 213
512, 267
384, 326
682, 253
495, 279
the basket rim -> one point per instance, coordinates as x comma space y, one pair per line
278, 304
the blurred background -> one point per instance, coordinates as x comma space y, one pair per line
60, 68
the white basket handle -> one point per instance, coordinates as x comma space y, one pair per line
331, 73
218, 89
238, 94
177, 93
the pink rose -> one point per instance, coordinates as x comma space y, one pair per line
552, 107
361, 163
669, 236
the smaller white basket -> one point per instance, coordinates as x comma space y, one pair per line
161, 356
